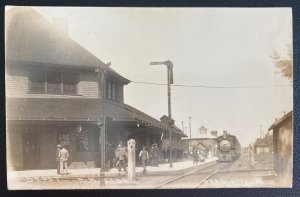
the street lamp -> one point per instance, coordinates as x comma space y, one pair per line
169, 65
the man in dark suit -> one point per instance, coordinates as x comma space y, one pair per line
57, 158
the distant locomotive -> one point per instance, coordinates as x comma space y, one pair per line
229, 148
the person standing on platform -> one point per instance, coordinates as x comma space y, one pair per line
168, 154
57, 158
110, 155
151, 155
144, 156
121, 156
195, 156
155, 155
164, 154
63, 156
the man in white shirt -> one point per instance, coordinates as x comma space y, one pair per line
144, 156
63, 157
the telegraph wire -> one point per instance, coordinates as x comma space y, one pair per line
214, 87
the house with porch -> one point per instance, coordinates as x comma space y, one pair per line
57, 92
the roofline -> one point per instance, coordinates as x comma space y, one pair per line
30, 63
283, 118
73, 66
50, 119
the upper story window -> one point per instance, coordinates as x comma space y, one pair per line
111, 91
37, 84
53, 83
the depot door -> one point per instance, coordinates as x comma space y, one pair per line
31, 153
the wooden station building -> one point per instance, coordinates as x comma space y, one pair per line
53, 96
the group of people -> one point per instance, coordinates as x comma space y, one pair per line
118, 157
62, 155
152, 157
198, 155
177, 155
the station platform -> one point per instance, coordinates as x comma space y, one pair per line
95, 172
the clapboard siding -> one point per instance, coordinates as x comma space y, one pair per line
17, 82
88, 85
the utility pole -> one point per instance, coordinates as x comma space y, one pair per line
169, 65
190, 128
261, 131
102, 76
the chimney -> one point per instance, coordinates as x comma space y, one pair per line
61, 24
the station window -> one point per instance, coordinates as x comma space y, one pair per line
57, 83
54, 83
111, 91
37, 84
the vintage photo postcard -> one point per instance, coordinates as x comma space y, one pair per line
148, 98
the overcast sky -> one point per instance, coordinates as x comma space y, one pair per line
208, 46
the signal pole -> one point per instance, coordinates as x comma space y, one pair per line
190, 128
169, 65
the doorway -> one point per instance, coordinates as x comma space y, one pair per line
31, 152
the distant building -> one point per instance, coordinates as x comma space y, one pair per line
203, 140
262, 145
177, 134
283, 146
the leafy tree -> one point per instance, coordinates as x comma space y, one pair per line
285, 64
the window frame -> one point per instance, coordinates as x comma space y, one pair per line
111, 91
31, 76
46, 83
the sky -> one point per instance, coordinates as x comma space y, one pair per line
215, 47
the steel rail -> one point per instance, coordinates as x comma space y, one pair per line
186, 174
207, 177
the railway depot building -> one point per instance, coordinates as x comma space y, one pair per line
53, 96
283, 147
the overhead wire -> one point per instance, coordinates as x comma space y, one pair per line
214, 87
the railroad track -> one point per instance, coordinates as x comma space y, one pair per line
194, 178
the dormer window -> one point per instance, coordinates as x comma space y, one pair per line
111, 91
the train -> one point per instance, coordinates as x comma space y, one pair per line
229, 148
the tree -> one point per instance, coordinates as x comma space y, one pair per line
285, 64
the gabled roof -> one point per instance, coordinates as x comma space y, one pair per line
130, 112
165, 121
281, 120
32, 38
